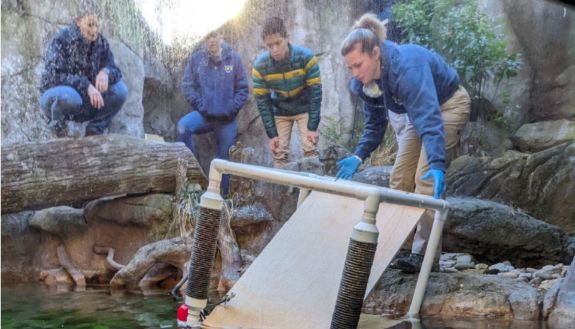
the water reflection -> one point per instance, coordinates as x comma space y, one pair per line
37, 306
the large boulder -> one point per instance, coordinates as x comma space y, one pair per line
493, 232
541, 183
459, 295
538, 136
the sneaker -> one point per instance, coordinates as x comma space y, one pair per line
412, 264
90, 131
402, 254
58, 128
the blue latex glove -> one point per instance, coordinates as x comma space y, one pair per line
439, 181
348, 167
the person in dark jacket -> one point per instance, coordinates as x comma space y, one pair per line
414, 80
216, 88
80, 81
287, 88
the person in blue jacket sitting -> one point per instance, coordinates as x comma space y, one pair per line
216, 88
406, 79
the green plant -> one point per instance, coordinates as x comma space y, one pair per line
331, 131
385, 152
499, 119
415, 18
188, 211
463, 36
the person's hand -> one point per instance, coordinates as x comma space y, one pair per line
348, 167
274, 144
439, 181
102, 81
95, 97
313, 137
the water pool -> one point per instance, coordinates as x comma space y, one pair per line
34, 306
37, 306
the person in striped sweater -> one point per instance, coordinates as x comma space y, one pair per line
287, 89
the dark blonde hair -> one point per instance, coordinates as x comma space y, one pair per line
368, 30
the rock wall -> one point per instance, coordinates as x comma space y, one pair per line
543, 33
30, 239
546, 33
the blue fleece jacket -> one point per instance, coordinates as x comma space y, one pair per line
217, 89
416, 81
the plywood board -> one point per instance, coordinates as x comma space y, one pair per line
294, 282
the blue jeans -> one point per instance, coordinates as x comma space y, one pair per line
194, 123
63, 103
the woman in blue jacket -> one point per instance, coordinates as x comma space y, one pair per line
406, 79
216, 88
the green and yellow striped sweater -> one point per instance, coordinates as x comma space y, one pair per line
287, 88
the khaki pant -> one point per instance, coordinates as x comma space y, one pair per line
284, 126
411, 161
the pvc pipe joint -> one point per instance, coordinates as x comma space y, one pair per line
195, 307
366, 230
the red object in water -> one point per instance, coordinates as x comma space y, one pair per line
183, 313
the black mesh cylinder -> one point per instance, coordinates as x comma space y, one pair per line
353, 284
203, 253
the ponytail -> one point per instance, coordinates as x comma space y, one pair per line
367, 30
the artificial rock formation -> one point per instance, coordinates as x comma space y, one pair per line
175, 252
541, 183
89, 240
494, 232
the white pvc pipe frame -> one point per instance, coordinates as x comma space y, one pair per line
307, 182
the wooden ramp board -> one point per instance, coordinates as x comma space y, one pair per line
294, 282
